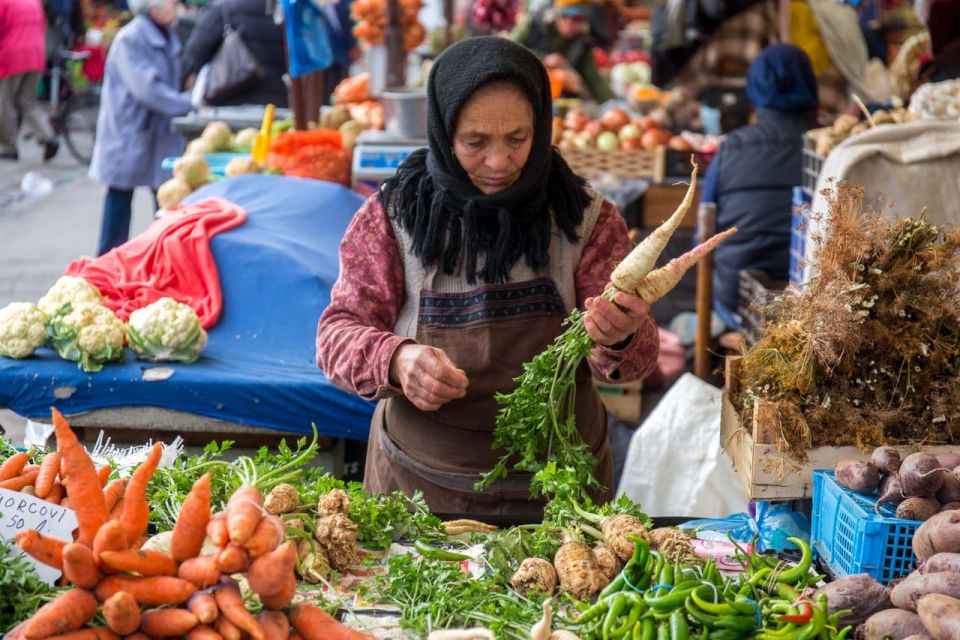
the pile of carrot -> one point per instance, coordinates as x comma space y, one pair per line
46, 479
145, 594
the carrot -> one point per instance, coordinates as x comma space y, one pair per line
244, 510
226, 629
163, 623
268, 534
112, 493
295, 636
49, 469
117, 510
152, 592
268, 573
122, 613
65, 501
203, 632
13, 466
104, 474
43, 548
136, 512
230, 603
217, 529
275, 625
204, 606
283, 596
86, 495
69, 611
79, 567
191, 526
137, 636
56, 493
233, 559
140, 561
110, 537
24, 479
90, 633
203, 572
313, 623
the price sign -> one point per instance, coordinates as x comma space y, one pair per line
20, 511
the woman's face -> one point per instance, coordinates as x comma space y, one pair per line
165, 14
493, 136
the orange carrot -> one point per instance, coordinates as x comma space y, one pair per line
230, 603
268, 534
68, 612
137, 636
117, 510
268, 574
233, 559
104, 474
122, 613
203, 572
204, 606
85, 492
79, 567
47, 550
313, 623
56, 493
136, 512
110, 537
203, 632
90, 633
191, 526
49, 469
13, 466
65, 501
24, 479
226, 629
283, 596
295, 636
152, 592
275, 625
244, 510
217, 529
164, 623
112, 493
143, 562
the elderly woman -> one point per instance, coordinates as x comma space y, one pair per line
463, 268
140, 96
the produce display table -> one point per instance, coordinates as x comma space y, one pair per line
258, 368
239, 117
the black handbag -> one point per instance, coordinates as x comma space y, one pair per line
234, 68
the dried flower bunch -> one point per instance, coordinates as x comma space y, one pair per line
869, 352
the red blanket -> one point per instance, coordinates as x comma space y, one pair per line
172, 258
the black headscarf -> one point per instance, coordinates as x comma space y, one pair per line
447, 217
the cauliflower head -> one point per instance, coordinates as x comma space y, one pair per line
22, 329
68, 289
89, 334
166, 330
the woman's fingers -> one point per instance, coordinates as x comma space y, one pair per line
633, 304
429, 378
608, 323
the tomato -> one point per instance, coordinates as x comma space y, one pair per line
615, 119
650, 139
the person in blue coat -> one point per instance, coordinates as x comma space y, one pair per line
140, 96
751, 178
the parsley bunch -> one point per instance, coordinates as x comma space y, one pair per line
22, 591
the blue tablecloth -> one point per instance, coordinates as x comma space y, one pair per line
258, 369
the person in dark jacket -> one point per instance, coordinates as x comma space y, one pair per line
751, 179
343, 45
263, 37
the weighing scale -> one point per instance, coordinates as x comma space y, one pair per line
377, 155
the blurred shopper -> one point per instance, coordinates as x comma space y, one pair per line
22, 61
264, 38
942, 18
751, 179
140, 96
339, 25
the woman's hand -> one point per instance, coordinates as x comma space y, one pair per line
610, 324
428, 377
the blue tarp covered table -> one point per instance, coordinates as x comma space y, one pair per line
258, 369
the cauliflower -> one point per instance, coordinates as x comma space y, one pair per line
68, 289
166, 330
22, 329
89, 334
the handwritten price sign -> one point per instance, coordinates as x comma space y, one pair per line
19, 512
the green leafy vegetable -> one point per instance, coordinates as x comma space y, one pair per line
21, 590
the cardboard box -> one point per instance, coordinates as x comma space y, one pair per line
623, 401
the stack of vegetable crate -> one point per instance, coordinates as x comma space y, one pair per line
640, 163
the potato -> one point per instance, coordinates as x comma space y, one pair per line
892, 624
859, 592
921, 475
950, 489
948, 460
886, 459
939, 533
858, 476
918, 508
950, 506
941, 563
906, 594
940, 614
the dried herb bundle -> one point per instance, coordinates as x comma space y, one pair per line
869, 352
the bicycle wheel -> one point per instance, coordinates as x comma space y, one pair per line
80, 124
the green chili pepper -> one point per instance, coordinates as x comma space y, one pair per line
679, 629
844, 633
632, 619
435, 553
616, 585
710, 607
663, 631
794, 574
834, 620
593, 612
617, 605
637, 632
667, 602
743, 624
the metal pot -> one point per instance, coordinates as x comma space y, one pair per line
405, 112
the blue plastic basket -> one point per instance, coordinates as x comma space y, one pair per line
218, 162
851, 538
798, 234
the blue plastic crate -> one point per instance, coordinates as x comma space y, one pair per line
218, 162
798, 234
851, 538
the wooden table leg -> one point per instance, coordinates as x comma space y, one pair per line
706, 222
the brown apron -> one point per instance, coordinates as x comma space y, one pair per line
490, 333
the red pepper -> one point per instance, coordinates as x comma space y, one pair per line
799, 618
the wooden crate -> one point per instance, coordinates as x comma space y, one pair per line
622, 401
767, 469
623, 164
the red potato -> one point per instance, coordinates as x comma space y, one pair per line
939, 533
892, 624
860, 593
921, 475
940, 614
906, 594
857, 475
941, 563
